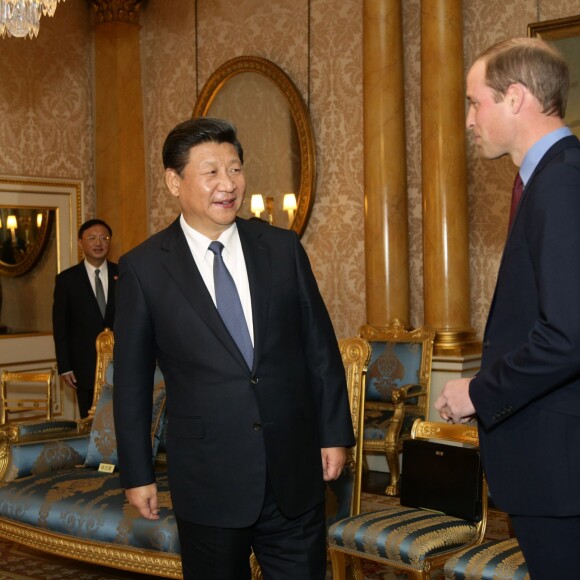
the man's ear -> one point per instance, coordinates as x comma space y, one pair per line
172, 180
515, 96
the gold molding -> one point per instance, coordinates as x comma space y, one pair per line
116, 11
300, 115
154, 563
456, 342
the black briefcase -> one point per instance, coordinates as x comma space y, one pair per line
442, 478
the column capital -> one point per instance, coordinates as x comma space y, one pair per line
116, 11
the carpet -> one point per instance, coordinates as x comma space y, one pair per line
18, 562
21, 563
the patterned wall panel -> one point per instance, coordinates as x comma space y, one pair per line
46, 103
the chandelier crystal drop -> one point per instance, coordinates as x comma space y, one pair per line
21, 18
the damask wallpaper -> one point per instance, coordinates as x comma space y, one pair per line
46, 107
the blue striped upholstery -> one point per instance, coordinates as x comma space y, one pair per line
501, 560
401, 535
89, 505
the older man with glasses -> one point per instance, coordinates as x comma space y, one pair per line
84, 305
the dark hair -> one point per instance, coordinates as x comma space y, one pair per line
193, 132
534, 63
95, 222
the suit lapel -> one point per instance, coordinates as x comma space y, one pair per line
257, 258
559, 146
545, 160
181, 267
112, 285
85, 283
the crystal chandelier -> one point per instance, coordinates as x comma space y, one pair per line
22, 17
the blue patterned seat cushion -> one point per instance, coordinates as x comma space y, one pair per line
501, 560
392, 365
401, 535
84, 503
103, 441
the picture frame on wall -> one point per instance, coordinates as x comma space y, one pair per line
564, 34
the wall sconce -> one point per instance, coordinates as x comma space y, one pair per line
289, 205
12, 225
38, 219
257, 204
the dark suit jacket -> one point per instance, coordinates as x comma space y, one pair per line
77, 321
527, 395
228, 425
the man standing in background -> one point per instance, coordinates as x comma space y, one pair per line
84, 305
527, 395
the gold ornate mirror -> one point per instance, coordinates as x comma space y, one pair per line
24, 233
274, 128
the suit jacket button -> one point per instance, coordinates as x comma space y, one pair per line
254, 380
257, 426
485, 343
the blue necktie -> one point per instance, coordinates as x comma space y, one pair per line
229, 305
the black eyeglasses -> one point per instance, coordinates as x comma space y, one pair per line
93, 238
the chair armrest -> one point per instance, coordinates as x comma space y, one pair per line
399, 397
406, 392
41, 448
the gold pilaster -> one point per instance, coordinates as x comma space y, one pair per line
119, 140
385, 172
444, 176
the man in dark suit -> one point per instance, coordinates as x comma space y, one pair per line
81, 311
252, 436
527, 395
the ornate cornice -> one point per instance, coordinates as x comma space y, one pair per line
117, 11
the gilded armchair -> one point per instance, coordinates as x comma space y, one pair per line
38, 398
412, 539
397, 385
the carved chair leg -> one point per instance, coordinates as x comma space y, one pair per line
338, 565
392, 454
392, 443
356, 568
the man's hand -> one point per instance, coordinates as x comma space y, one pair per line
454, 404
144, 498
333, 460
70, 379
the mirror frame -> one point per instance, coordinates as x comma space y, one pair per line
63, 196
30, 258
300, 115
556, 29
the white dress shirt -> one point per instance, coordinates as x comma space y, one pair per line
233, 258
103, 275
